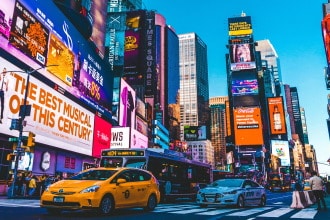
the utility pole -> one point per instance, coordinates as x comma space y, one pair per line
25, 110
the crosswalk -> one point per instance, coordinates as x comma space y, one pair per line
269, 211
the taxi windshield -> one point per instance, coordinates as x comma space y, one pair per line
93, 175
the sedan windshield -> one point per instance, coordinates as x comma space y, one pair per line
227, 183
94, 175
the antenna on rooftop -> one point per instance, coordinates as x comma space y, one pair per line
243, 14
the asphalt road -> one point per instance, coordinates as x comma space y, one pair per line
278, 207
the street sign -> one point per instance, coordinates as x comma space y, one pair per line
13, 139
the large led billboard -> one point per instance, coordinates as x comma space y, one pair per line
276, 115
194, 133
102, 136
54, 118
245, 89
120, 137
242, 56
280, 149
38, 34
326, 35
240, 26
127, 106
248, 126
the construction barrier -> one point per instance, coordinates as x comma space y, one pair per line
302, 199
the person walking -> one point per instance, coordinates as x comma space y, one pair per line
32, 185
317, 188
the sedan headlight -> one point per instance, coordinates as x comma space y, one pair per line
230, 192
91, 189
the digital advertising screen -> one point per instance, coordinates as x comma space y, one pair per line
102, 136
280, 149
54, 118
239, 26
245, 89
120, 137
138, 140
248, 126
276, 115
38, 34
241, 56
326, 35
127, 106
194, 133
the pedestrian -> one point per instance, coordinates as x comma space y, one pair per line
317, 188
32, 185
298, 186
19, 184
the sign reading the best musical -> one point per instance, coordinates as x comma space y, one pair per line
54, 118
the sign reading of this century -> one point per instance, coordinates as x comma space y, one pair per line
50, 110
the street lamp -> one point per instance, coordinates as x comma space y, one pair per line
22, 113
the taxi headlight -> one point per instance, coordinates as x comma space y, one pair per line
230, 192
91, 189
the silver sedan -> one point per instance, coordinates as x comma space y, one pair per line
239, 192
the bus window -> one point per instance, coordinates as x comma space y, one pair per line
136, 163
111, 162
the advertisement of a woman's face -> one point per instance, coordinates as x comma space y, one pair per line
241, 53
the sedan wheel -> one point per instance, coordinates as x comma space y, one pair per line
240, 202
106, 205
152, 203
263, 201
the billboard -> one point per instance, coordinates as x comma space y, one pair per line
245, 88
127, 105
248, 126
40, 35
276, 115
326, 35
54, 118
194, 133
102, 135
242, 56
280, 149
120, 137
138, 140
240, 26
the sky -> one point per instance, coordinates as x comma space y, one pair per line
293, 28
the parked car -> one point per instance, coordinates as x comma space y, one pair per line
103, 189
239, 192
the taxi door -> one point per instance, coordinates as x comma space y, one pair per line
142, 186
125, 193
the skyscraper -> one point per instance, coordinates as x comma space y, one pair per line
194, 87
218, 128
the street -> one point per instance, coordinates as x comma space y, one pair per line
278, 207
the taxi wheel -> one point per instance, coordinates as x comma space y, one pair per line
240, 202
106, 205
262, 201
152, 203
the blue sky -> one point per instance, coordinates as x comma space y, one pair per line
294, 29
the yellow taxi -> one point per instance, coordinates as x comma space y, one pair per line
103, 189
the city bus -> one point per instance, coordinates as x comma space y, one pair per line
178, 176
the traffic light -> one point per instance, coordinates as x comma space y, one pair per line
11, 157
31, 140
